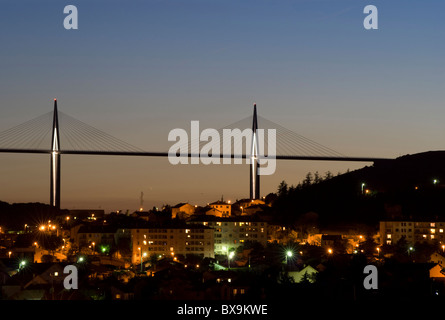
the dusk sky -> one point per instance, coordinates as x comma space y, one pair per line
138, 69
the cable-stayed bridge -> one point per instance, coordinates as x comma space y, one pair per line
56, 133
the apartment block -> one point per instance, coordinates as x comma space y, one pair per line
171, 241
229, 233
413, 231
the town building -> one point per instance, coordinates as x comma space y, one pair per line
437, 258
230, 233
171, 241
413, 231
221, 208
84, 214
182, 210
308, 273
85, 235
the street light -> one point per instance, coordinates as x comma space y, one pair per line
22, 264
143, 255
289, 254
231, 254
363, 185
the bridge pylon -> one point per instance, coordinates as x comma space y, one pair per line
254, 165
55, 161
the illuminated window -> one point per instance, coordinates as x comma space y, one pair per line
441, 230
433, 230
432, 224
388, 236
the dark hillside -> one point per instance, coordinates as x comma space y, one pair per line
412, 186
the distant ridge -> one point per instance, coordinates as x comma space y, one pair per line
410, 186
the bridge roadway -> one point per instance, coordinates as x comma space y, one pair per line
190, 155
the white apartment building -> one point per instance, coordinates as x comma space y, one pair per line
413, 231
229, 233
172, 241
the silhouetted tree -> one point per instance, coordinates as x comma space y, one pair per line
317, 177
308, 179
282, 189
401, 248
123, 247
328, 175
52, 243
369, 246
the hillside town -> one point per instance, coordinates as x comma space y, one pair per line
223, 250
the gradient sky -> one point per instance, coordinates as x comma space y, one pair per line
138, 69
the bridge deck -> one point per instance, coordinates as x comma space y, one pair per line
190, 155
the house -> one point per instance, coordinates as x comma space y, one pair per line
85, 214
438, 258
221, 208
34, 282
226, 285
120, 291
307, 272
255, 209
46, 274
330, 240
437, 273
245, 203
182, 210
